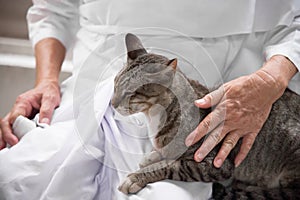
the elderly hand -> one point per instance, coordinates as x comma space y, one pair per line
45, 97
241, 108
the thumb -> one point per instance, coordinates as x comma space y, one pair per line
211, 99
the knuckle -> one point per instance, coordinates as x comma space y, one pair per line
206, 124
230, 143
51, 99
21, 103
20, 99
45, 112
216, 137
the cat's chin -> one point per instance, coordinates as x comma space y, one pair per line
123, 111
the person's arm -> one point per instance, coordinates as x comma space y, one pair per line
49, 54
45, 96
52, 26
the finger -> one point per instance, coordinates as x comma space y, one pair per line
247, 144
20, 108
49, 103
24, 106
211, 99
7, 134
214, 138
2, 142
209, 123
229, 143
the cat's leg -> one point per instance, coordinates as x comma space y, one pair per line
181, 170
134, 182
151, 158
189, 170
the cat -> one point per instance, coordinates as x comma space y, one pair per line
153, 84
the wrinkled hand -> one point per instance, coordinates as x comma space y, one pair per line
241, 108
45, 97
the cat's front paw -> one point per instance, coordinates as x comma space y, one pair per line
131, 184
152, 157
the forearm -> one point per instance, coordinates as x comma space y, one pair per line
49, 54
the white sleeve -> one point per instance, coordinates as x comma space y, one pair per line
53, 18
286, 41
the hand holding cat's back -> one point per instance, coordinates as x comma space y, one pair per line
241, 108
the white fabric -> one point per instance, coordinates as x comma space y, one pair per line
88, 149
286, 42
57, 19
205, 18
22, 125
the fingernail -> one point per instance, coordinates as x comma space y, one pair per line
189, 141
45, 120
200, 101
218, 163
238, 162
199, 157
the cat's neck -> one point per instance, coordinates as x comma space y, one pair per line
181, 116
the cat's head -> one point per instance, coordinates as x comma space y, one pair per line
144, 80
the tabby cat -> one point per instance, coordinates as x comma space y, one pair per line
153, 84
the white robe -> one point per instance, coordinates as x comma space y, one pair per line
89, 148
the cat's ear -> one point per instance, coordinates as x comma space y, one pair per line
173, 63
134, 47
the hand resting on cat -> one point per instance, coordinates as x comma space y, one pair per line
241, 108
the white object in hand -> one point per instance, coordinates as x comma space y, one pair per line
22, 125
